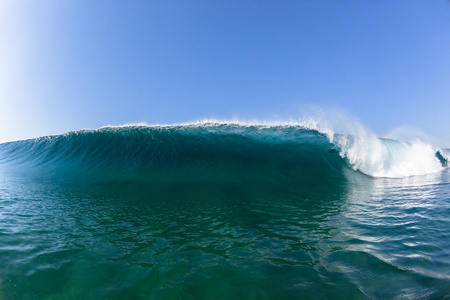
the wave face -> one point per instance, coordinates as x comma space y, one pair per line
225, 151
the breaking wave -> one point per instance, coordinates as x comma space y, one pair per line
223, 151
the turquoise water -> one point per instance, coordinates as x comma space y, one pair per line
218, 211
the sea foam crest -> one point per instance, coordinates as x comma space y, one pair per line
388, 158
378, 157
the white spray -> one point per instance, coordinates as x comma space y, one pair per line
371, 155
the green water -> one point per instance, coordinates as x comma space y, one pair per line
370, 238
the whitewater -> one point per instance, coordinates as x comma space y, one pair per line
224, 210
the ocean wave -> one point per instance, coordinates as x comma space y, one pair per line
222, 150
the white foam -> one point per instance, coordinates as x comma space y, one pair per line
388, 158
370, 154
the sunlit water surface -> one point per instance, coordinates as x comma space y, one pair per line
355, 238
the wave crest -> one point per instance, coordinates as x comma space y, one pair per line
388, 158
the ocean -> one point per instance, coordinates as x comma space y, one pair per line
223, 211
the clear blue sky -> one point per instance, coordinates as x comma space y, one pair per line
68, 65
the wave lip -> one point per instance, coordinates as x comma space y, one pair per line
379, 157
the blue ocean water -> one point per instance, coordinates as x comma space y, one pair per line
223, 211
